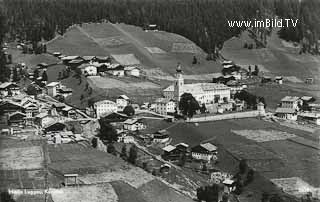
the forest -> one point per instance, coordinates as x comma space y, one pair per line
202, 21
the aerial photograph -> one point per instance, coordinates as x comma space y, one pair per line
159, 100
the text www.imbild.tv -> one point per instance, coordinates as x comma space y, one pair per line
263, 23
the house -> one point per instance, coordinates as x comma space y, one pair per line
311, 117
132, 71
162, 137
75, 63
104, 107
115, 117
16, 119
9, 89
286, 113
174, 152
67, 59
10, 106
291, 102
309, 80
266, 79
116, 71
165, 106
127, 139
307, 99
65, 92
122, 101
229, 185
314, 106
88, 69
52, 88
89, 59
102, 59
206, 152
168, 92
42, 65
133, 125
55, 127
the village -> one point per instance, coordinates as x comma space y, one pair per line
140, 132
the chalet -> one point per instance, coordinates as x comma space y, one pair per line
9, 106
67, 59
122, 101
223, 79
133, 125
115, 117
168, 92
103, 59
104, 107
165, 106
16, 119
127, 139
89, 59
314, 106
75, 63
287, 113
55, 127
310, 117
307, 99
174, 152
88, 69
229, 185
162, 137
132, 71
206, 152
9, 89
52, 88
56, 54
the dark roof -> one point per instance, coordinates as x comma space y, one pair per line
204, 149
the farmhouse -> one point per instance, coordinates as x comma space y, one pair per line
44, 119
117, 70
122, 101
16, 119
165, 106
133, 125
174, 152
279, 80
127, 139
9, 89
65, 92
55, 127
204, 93
104, 107
206, 152
168, 92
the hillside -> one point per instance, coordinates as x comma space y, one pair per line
159, 51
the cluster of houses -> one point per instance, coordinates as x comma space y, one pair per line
300, 109
117, 64
23, 113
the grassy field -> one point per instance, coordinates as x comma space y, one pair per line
286, 158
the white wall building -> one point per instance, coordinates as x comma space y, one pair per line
9, 89
88, 69
203, 92
206, 152
104, 107
165, 106
133, 125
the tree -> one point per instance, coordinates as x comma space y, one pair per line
194, 60
15, 76
107, 131
44, 76
256, 70
129, 110
32, 89
265, 197
123, 154
182, 159
133, 154
188, 105
6, 197
111, 149
35, 74
203, 108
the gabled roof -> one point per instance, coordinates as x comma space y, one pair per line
16, 113
169, 148
52, 84
8, 84
208, 146
124, 97
70, 57
306, 98
204, 148
83, 66
130, 121
88, 57
169, 88
182, 144
290, 99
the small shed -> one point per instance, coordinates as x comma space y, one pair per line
70, 179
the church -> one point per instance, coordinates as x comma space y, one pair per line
204, 93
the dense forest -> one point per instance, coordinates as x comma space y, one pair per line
202, 21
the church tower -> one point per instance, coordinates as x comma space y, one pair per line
179, 83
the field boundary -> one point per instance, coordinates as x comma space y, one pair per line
236, 115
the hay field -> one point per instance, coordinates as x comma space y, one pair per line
264, 135
155, 50
21, 158
185, 48
93, 193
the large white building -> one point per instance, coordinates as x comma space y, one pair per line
203, 92
104, 107
165, 106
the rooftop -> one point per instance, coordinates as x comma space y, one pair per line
168, 148
208, 146
126, 59
290, 99
285, 110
